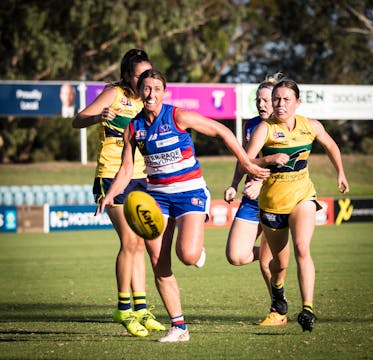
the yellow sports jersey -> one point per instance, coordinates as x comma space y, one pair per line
290, 184
111, 138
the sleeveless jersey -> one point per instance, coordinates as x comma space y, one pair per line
290, 184
168, 153
109, 155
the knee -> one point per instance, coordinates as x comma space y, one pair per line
301, 252
188, 256
239, 259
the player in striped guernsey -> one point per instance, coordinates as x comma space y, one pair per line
161, 132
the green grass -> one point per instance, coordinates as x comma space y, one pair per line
218, 172
58, 291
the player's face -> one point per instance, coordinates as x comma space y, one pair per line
152, 92
284, 103
138, 70
264, 103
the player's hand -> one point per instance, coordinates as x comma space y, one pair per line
256, 171
279, 159
229, 194
343, 184
252, 189
105, 201
108, 113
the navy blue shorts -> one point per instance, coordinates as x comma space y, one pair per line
248, 210
101, 187
274, 221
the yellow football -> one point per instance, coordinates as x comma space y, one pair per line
143, 215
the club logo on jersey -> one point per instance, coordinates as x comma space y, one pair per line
164, 129
301, 154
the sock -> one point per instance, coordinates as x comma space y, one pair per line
308, 306
178, 321
277, 290
139, 300
124, 301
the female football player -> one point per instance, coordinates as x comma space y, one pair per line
175, 180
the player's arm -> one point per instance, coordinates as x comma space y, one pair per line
124, 174
333, 152
192, 120
96, 111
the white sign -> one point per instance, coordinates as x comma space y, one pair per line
322, 102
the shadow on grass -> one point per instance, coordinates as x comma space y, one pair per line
86, 313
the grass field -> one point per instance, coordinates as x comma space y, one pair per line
218, 172
57, 294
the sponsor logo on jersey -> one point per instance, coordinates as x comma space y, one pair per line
167, 142
140, 134
278, 134
165, 158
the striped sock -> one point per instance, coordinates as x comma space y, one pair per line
178, 321
308, 306
124, 301
139, 300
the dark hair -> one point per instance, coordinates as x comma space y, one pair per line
127, 67
130, 59
151, 73
288, 83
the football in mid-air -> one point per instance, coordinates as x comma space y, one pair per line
143, 215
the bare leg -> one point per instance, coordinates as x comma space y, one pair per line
130, 263
241, 240
302, 225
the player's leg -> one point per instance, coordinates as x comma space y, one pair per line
130, 243
273, 318
159, 251
240, 249
302, 224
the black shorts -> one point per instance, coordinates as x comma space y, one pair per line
101, 187
274, 221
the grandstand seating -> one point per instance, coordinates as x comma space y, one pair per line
46, 194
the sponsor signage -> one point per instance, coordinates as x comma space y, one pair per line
30, 99
8, 219
323, 102
79, 217
217, 101
353, 210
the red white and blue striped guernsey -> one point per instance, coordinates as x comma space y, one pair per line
168, 152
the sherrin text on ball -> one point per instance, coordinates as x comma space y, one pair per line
143, 215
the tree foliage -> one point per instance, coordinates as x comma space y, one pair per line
190, 40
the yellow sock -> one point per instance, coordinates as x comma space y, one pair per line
308, 306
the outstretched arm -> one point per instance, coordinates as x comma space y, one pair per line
192, 120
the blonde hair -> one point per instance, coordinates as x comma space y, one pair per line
270, 81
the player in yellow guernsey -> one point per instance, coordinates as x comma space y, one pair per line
113, 109
287, 199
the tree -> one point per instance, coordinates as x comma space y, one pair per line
189, 40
